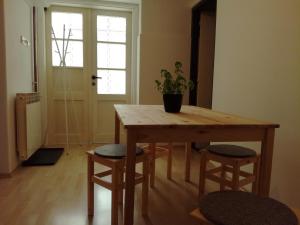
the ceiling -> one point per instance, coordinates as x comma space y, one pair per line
92, 1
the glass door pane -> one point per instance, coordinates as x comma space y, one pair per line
111, 55
112, 29
111, 82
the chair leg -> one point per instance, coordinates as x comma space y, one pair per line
114, 195
121, 181
169, 164
203, 162
188, 151
236, 177
152, 148
256, 168
223, 177
90, 188
145, 187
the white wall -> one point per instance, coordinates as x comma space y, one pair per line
18, 64
165, 38
257, 74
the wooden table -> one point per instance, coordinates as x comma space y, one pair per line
150, 123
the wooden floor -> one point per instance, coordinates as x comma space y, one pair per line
56, 195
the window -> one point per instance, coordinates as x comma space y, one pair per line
67, 39
111, 54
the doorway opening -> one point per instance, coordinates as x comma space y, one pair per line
203, 52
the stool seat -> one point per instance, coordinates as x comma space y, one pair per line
231, 151
115, 151
243, 208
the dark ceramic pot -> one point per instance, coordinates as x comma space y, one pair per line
172, 102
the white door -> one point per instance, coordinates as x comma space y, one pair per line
99, 45
67, 83
112, 70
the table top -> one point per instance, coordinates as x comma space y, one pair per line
154, 116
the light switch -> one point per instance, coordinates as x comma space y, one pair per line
24, 41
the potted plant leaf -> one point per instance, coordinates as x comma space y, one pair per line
173, 88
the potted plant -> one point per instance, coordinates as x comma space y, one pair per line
173, 88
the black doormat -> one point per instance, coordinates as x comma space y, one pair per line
44, 157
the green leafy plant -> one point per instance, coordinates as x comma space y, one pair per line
173, 85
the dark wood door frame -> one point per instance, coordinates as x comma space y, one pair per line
202, 6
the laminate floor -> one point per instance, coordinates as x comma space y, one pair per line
57, 195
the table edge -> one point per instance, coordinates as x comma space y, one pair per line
205, 126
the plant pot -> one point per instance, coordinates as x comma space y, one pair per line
172, 102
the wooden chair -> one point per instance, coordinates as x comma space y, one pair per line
231, 158
159, 151
112, 156
216, 208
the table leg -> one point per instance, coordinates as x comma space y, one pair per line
117, 129
188, 152
266, 162
129, 178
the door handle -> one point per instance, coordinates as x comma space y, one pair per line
94, 77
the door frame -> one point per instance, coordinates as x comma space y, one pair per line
135, 34
202, 6
197, 10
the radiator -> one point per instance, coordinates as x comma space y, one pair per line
29, 124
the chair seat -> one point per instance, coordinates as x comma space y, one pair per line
115, 151
234, 151
242, 208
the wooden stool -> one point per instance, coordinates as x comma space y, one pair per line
112, 156
159, 151
231, 158
203, 221
236, 207
199, 216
